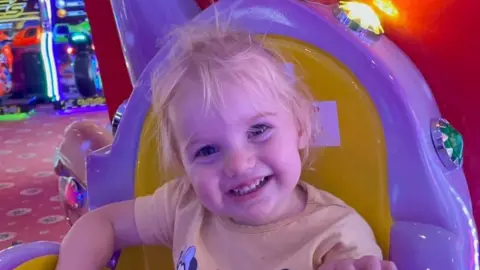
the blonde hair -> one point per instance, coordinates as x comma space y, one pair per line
212, 52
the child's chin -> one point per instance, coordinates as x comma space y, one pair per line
250, 221
257, 217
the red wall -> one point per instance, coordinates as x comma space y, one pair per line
115, 77
203, 4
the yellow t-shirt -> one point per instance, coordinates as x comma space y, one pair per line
327, 229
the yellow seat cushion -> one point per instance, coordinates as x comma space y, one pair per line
355, 171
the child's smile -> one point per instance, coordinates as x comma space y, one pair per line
249, 187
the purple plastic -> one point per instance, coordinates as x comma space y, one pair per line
430, 205
143, 26
13, 257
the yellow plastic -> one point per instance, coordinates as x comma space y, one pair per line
147, 257
356, 171
41, 263
48, 262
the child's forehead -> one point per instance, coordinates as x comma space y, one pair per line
233, 105
226, 93
193, 113
215, 123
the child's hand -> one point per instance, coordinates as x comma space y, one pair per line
365, 263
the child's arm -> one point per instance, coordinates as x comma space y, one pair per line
353, 240
91, 241
353, 246
148, 220
364, 263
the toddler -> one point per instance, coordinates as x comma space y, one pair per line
237, 126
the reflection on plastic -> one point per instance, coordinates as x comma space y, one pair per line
143, 24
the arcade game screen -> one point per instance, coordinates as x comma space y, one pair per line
22, 76
78, 74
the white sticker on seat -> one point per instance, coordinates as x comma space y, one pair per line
327, 119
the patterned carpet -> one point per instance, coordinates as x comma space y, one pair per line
29, 207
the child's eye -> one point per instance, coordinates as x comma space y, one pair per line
258, 130
206, 151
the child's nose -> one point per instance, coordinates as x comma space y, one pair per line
239, 162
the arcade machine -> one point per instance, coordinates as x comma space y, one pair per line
26, 73
79, 82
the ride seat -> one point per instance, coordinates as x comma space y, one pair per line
349, 166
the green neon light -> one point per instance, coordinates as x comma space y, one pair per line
14, 117
79, 37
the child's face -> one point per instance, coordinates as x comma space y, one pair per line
242, 160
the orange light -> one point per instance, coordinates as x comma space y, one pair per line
69, 50
61, 13
387, 7
362, 14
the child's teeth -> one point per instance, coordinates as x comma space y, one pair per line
247, 189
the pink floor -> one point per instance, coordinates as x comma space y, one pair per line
29, 207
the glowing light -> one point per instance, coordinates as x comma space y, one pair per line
46, 50
60, 3
49, 9
53, 68
362, 14
69, 50
15, 117
46, 64
79, 37
61, 13
386, 6
47, 55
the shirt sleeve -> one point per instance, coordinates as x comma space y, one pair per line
155, 214
353, 239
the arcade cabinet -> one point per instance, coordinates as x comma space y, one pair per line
28, 76
79, 81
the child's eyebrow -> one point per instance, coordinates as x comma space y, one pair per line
190, 141
261, 115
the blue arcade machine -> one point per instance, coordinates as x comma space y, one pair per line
79, 83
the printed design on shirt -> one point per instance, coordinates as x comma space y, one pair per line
187, 260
